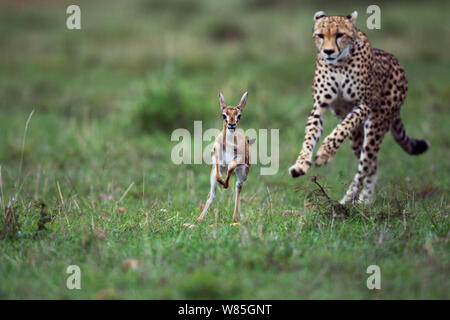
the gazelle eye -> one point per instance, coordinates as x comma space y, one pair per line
320, 35
224, 117
339, 35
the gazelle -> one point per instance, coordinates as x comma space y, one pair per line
230, 154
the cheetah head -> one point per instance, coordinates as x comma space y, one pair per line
334, 36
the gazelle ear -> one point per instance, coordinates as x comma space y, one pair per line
318, 15
222, 101
352, 17
243, 101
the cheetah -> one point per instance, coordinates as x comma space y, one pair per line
365, 88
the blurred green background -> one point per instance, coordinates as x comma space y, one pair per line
106, 99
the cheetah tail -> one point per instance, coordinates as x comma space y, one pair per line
410, 145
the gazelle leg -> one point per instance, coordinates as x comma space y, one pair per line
218, 175
241, 176
211, 195
237, 199
231, 168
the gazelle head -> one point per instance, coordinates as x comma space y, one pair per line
232, 114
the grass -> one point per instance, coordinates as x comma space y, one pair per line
93, 183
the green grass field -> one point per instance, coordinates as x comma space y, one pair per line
97, 149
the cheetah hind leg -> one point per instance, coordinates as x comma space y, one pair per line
366, 195
354, 190
362, 188
372, 142
357, 139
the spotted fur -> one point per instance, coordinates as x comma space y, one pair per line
365, 88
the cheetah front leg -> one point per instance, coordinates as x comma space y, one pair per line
333, 141
312, 134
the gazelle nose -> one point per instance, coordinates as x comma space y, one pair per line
328, 51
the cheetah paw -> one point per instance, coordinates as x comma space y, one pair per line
322, 157
299, 169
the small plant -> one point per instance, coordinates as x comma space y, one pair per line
9, 221
44, 217
319, 198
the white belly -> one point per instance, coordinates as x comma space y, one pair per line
225, 157
228, 156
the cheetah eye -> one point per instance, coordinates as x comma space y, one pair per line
238, 117
224, 117
339, 35
320, 35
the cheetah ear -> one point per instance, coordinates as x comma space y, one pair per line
243, 101
222, 101
318, 15
352, 17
